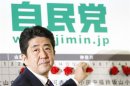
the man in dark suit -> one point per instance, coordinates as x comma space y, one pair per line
37, 47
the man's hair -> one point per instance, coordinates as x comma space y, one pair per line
32, 32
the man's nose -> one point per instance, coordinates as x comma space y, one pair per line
43, 54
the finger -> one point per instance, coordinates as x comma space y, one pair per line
82, 64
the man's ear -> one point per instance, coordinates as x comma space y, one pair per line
24, 59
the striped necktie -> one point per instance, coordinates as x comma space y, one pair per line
49, 83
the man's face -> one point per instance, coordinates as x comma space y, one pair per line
40, 55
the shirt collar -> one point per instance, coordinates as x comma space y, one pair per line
43, 79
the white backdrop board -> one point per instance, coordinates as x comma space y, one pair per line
87, 30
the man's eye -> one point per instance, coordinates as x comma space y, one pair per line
47, 49
35, 50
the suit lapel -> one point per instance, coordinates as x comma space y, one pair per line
33, 79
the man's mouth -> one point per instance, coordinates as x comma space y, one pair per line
44, 62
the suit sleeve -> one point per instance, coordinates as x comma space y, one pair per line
69, 82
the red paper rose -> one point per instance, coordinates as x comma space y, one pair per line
89, 69
54, 70
126, 70
22, 70
114, 70
68, 70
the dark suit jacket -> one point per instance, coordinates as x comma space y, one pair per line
29, 79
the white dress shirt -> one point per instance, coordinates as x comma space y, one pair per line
43, 79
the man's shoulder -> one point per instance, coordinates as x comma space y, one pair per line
69, 82
26, 79
21, 80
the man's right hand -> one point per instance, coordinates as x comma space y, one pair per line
80, 72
